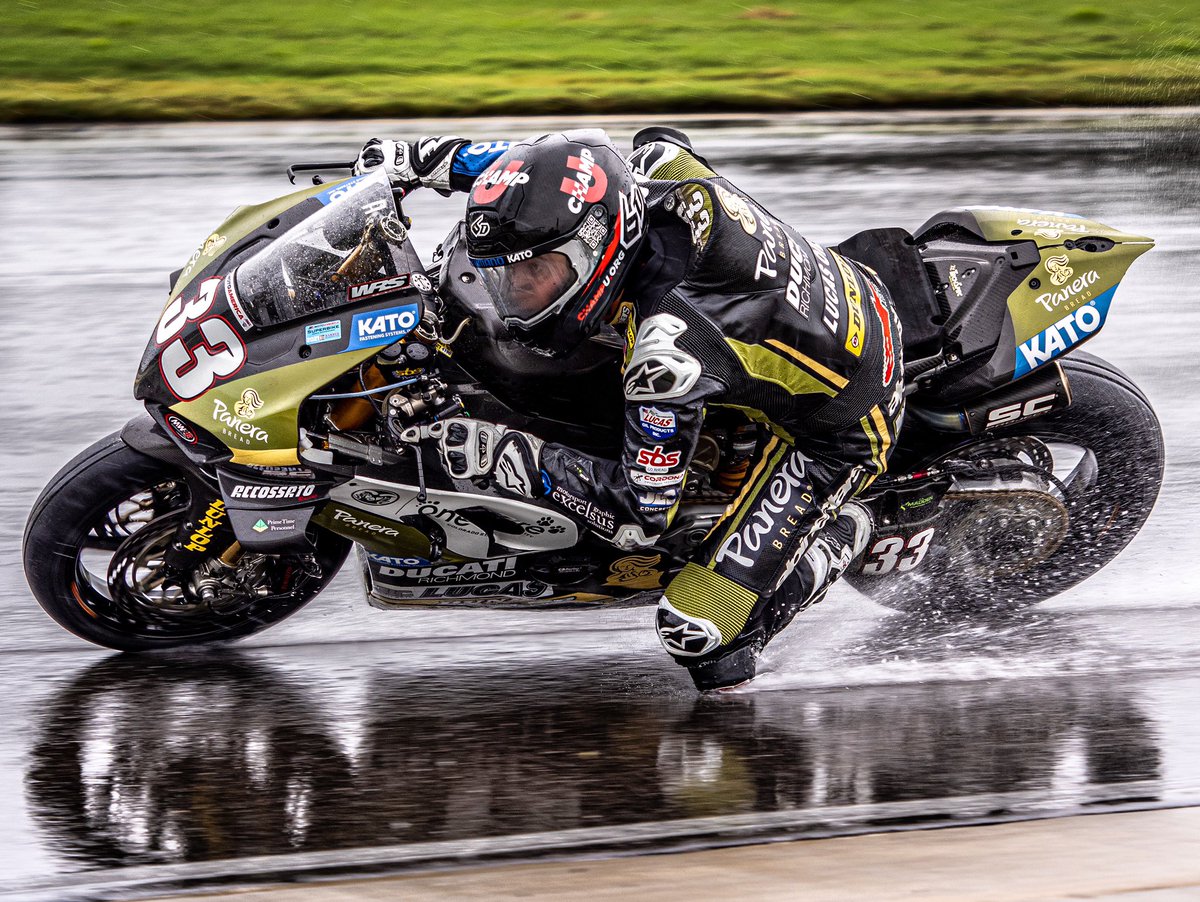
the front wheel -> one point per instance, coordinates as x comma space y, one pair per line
1004, 550
94, 548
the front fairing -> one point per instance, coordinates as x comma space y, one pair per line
298, 298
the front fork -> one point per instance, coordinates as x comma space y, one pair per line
205, 533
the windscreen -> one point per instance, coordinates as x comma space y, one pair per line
344, 252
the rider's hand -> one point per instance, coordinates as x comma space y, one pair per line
411, 164
476, 449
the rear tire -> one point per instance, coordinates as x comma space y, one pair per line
1112, 419
77, 521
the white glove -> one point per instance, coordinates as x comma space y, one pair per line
411, 165
477, 449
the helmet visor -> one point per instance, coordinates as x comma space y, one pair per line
530, 291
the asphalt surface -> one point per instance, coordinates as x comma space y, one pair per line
349, 740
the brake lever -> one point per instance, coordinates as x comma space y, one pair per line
315, 167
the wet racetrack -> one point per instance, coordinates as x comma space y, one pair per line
355, 740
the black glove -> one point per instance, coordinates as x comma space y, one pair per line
424, 163
473, 449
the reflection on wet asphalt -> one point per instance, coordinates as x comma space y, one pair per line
412, 733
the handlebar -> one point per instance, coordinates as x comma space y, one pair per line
316, 167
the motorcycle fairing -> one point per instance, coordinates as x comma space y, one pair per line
475, 526
1081, 264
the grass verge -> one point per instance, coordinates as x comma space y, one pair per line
170, 59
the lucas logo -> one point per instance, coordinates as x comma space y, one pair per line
381, 327
659, 424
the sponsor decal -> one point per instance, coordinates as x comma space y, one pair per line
800, 276
633, 216
181, 429
489, 186
653, 460
250, 404
889, 350
480, 227
955, 281
765, 264
586, 183
601, 519
386, 560
659, 424
484, 571
654, 501
787, 498
1053, 225
343, 189
235, 305
484, 148
523, 588
421, 283
377, 287
638, 571
1019, 410
345, 518
1051, 300
298, 472
884, 555
854, 312
608, 277
299, 492
451, 518
1068, 331
738, 209
236, 426
653, 480
382, 326
316, 333
830, 315
592, 231
543, 525
275, 524
695, 208
1059, 269
219, 354
198, 540
375, 497
518, 256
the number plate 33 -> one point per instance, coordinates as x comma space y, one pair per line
896, 553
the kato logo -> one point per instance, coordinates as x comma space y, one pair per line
1067, 332
382, 326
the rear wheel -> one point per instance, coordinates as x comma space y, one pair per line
1007, 548
94, 548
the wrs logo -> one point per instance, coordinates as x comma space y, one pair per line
586, 184
653, 460
379, 286
496, 181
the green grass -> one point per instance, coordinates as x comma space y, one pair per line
169, 59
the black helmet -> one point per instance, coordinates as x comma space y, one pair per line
552, 228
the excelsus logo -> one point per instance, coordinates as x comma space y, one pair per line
1067, 332
382, 326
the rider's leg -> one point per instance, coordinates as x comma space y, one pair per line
780, 545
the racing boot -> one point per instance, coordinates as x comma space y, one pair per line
695, 642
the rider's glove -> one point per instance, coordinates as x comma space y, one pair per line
411, 164
475, 449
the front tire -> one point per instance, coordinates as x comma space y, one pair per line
1114, 488
95, 534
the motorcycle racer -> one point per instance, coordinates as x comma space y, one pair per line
721, 306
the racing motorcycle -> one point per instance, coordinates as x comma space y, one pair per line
304, 340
